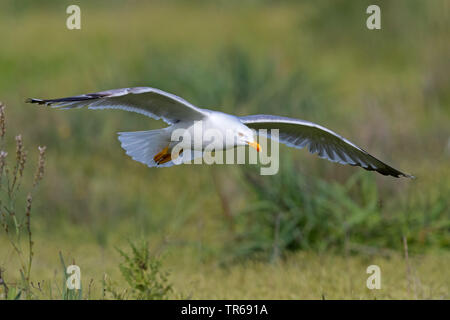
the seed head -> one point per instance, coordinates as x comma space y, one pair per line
40, 169
2, 120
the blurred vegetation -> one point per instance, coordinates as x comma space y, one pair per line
386, 90
291, 212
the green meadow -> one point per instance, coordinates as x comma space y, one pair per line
222, 231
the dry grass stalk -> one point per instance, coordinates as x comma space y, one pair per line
2, 121
10, 181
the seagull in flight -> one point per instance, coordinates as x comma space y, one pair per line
154, 147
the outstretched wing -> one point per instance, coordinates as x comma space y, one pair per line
326, 143
150, 102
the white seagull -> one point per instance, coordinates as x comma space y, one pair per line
154, 147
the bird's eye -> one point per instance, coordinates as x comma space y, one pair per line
240, 134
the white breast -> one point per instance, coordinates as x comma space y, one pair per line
217, 131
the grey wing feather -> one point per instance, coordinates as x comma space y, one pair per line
147, 101
326, 143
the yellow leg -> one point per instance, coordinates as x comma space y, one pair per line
161, 154
165, 158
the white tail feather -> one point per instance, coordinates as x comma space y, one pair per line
142, 146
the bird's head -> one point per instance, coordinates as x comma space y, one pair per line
245, 136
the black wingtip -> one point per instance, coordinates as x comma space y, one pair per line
31, 100
389, 171
401, 175
404, 175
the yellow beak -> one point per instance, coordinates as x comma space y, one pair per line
254, 145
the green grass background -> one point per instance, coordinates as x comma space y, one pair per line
385, 90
